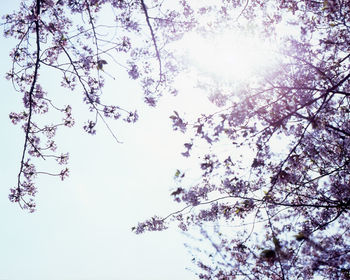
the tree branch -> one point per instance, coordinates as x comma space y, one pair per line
144, 8
30, 93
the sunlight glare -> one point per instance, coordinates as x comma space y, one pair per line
229, 56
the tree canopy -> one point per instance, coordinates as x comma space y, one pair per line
282, 183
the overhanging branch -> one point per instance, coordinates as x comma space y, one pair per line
30, 93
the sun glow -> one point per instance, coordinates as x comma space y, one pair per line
228, 56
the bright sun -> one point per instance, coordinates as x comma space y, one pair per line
228, 56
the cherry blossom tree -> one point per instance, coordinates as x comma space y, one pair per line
278, 197
275, 204
70, 37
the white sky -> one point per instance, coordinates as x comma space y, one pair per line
82, 228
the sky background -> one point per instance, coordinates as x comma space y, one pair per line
82, 227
